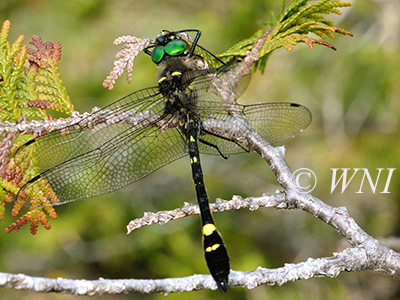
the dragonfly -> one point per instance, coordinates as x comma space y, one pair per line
152, 127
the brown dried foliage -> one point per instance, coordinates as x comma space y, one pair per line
45, 52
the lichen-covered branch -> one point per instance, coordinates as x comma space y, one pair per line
350, 260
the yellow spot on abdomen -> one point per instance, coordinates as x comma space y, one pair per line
208, 229
212, 248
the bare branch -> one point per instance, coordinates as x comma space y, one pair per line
350, 260
277, 201
106, 286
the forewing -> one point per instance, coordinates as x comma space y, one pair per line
107, 151
215, 91
215, 95
77, 139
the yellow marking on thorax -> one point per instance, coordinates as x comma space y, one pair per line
162, 79
212, 248
208, 229
191, 139
194, 160
176, 73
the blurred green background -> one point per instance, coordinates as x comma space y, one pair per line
353, 93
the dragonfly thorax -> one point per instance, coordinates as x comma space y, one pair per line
174, 85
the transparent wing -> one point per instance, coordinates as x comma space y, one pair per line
59, 146
106, 152
214, 91
127, 157
275, 122
215, 96
278, 121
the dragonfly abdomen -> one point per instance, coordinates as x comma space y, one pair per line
214, 249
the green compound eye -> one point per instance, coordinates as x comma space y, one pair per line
158, 54
175, 47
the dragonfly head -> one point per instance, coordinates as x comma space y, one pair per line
169, 44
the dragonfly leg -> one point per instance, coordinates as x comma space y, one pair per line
224, 138
214, 146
